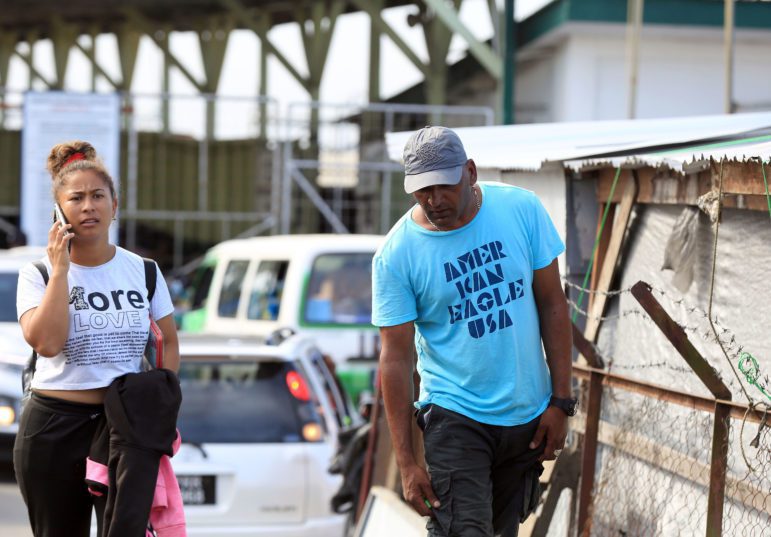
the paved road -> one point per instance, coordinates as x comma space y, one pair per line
13, 514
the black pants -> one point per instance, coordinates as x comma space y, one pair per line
49, 459
485, 476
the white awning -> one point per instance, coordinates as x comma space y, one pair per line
528, 147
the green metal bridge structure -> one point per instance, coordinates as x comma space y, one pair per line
181, 193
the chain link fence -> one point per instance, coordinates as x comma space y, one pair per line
658, 452
653, 468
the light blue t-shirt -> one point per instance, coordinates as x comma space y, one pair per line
469, 292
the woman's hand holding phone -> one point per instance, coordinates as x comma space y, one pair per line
59, 237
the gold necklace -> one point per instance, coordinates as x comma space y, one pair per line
476, 198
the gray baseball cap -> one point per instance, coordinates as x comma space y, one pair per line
433, 156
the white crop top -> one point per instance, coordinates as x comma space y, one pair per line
109, 321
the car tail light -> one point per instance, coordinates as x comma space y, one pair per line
297, 386
7, 415
312, 432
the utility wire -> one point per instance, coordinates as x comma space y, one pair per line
712, 282
597, 241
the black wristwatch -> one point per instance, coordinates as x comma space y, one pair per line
568, 406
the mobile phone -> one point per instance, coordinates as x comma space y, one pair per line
59, 217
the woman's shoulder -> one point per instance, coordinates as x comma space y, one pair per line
127, 260
127, 256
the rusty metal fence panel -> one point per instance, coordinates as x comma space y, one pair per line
652, 468
652, 474
661, 457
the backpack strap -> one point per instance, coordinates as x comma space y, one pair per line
150, 275
29, 370
42, 269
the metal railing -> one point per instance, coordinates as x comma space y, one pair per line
355, 133
307, 148
200, 121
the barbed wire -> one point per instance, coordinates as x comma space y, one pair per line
721, 336
694, 310
588, 291
679, 302
613, 365
612, 317
727, 337
651, 365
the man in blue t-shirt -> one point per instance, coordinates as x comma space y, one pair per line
469, 278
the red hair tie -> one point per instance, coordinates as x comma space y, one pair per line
73, 158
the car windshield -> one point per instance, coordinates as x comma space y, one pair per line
199, 286
8, 283
230, 294
243, 402
267, 288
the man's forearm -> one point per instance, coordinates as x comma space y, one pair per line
396, 379
558, 343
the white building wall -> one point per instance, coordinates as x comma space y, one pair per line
578, 73
680, 72
535, 90
550, 186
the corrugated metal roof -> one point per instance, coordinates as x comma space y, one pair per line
741, 150
528, 147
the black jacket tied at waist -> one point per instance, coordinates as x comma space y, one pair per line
139, 426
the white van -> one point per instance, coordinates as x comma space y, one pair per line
317, 285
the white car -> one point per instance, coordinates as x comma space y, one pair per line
259, 425
11, 366
14, 351
318, 285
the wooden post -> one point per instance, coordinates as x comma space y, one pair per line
634, 17
589, 457
718, 469
611, 258
728, 56
602, 248
586, 348
369, 457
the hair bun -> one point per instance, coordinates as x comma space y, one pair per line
61, 155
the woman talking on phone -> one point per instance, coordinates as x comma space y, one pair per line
89, 325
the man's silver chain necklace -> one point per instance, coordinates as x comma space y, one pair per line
479, 206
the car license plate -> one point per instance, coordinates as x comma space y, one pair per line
197, 489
